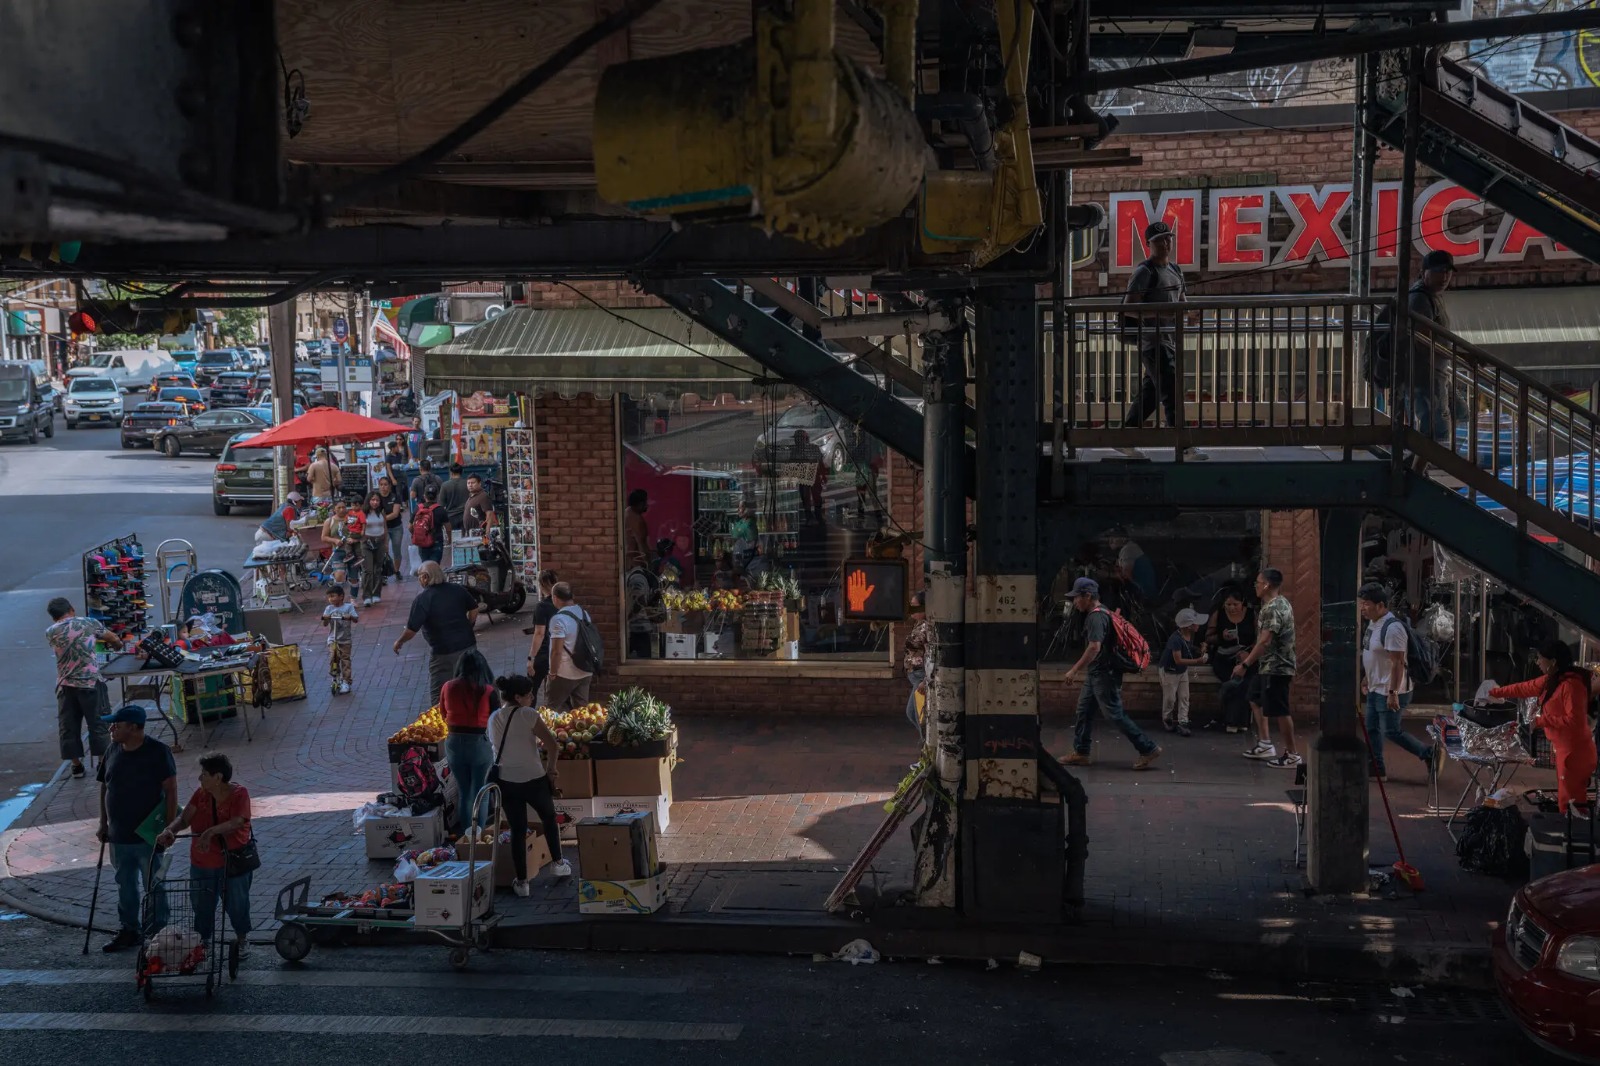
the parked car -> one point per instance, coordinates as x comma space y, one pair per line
192, 399
174, 380
234, 388
25, 412
308, 378
93, 399
208, 431
263, 406
142, 426
258, 356
242, 475
129, 369
214, 361
185, 358
1547, 962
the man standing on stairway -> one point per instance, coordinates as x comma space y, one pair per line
1431, 405
1157, 280
1274, 651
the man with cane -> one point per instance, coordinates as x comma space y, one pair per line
138, 797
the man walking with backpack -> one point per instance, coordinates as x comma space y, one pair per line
1106, 658
1386, 681
574, 651
1157, 280
428, 527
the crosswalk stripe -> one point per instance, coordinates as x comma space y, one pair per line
379, 1025
488, 982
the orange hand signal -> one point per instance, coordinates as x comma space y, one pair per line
858, 591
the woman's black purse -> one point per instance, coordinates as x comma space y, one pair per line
236, 862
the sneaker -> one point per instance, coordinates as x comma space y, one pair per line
1261, 751
77, 769
1145, 761
1130, 453
344, 689
1171, 727
1285, 761
1078, 759
1233, 729
520, 887
561, 868
126, 938
1192, 454
1183, 730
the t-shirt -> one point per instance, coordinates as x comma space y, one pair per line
1377, 665
374, 525
133, 781
1177, 646
1276, 616
1153, 284
477, 511
235, 805
72, 639
565, 625
394, 511
519, 755
1098, 628
1235, 638
342, 619
463, 711
454, 498
543, 611
321, 476
439, 613
420, 485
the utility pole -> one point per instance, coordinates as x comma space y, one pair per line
280, 328
1364, 159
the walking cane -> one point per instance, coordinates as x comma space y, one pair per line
95, 898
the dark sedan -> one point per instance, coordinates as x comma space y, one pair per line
234, 388
193, 400
143, 425
208, 431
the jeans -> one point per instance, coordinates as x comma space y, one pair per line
1384, 722
1160, 366
132, 864
1432, 408
396, 533
1103, 692
205, 884
434, 554
518, 796
916, 677
470, 755
77, 708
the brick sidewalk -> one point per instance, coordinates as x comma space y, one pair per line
769, 812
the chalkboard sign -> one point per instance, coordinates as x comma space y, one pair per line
216, 592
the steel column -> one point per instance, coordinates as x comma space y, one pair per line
1364, 162
1402, 344
280, 331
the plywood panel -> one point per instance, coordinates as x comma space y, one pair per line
342, 49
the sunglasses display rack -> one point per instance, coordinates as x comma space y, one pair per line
114, 585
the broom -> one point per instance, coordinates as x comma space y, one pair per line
1402, 869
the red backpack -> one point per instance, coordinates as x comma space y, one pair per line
422, 526
1130, 652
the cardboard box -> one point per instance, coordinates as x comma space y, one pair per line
441, 894
536, 852
644, 895
569, 812
678, 645
388, 837
654, 749
618, 848
577, 778
633, 777
660, 806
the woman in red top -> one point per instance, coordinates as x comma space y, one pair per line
466, 702
1563, 714
219, 815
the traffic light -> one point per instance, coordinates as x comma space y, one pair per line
875, 590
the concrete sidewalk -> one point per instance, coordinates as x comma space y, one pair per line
1189, 864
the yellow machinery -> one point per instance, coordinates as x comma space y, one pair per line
786, 132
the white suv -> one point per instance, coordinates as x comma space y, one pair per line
93, 399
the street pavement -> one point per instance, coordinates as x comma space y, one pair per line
357, 1007
768, 812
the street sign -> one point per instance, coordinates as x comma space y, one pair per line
357, 374
341, 328
875, 590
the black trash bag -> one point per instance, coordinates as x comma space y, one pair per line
1491, 842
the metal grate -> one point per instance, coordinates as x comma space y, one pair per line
1527, 940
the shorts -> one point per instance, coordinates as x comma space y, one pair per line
1270, 692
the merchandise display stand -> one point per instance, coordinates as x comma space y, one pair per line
114, 585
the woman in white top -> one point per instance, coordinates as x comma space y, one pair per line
374, 550
526, 780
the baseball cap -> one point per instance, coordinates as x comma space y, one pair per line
131, 713
295, 497
431, 492
1158, 228
1190, 617
1086, 586
1438, 261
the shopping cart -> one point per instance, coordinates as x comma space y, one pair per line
180, 946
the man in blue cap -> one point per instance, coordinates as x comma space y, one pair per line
1102, 692
138, 797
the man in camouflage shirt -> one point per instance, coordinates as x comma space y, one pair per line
80, 688
1274, 651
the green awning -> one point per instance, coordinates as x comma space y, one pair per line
429, 335
640, 351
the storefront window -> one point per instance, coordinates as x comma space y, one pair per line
752, 503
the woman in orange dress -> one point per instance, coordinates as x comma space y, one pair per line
1563, 714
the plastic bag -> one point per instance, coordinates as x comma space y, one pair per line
368, 811
406, 870
857, 952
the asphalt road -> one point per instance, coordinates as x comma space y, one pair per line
64, 496
359, 1005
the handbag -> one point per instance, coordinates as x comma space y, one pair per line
236, 862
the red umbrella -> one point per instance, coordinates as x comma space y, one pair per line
324, 425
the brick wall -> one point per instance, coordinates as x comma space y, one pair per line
550, 294
579, 512
1293, 544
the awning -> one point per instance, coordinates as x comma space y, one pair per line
1547, 332
578, 350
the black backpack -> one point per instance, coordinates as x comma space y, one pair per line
1377, 362
588, 650
1422, 655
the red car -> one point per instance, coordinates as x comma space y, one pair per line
1547, 962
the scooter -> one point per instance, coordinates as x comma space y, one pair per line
492, 580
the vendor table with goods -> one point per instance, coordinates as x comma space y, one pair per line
1486, 740
197, 689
